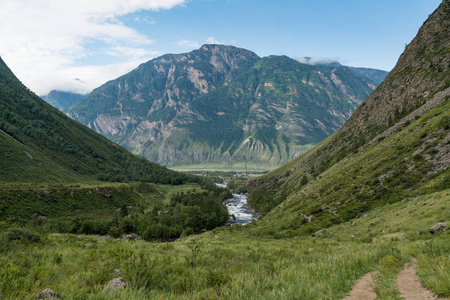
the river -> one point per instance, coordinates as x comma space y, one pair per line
237, 206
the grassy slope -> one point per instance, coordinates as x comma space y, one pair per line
409, 162
395, 145
227, 263
41, 144
23, 202
53, 166
21, 164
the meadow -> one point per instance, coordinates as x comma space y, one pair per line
234, 262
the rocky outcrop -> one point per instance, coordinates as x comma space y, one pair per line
116, 284
132, 237
438, 227
47, 294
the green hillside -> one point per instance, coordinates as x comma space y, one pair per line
42, 145
393, 148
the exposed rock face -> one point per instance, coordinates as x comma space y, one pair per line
223, 104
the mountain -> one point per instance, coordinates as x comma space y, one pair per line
377, 76
41, 144
223, 105
62, 100
395, 147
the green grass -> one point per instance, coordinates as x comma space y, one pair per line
20, 202
170, 190
231, 263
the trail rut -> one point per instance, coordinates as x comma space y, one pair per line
364, 288
407, 282
409, 285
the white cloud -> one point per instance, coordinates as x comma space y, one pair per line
141, 19
212, 40
47, 38
317, 60
84, 79
188, 44
131, 52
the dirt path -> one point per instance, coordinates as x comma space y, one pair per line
363, 289
410, 287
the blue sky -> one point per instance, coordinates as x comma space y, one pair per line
78, 45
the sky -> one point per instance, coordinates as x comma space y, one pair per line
77, 45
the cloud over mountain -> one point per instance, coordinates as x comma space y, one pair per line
51, 36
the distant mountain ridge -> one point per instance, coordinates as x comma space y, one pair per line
375, 75
63, 100
222, 104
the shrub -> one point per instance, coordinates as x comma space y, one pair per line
115, 232
23, 235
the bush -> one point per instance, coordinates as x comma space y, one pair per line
187, 231
23, 235
115, 232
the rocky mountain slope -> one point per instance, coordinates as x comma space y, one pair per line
62, 100
222, 104
395, 147
41, 144
375, 75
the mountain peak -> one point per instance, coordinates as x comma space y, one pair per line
212, 47
209, 47
226, 49
63, 99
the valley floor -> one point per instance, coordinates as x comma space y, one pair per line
235, 167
